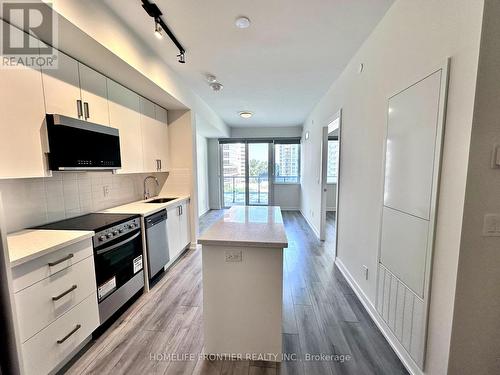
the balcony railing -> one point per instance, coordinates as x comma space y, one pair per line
258, 189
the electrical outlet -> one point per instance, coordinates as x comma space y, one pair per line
491, 225
233, 256
105, 190
365, 271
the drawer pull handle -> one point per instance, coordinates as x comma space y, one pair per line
78, 326
56, 298
52, 264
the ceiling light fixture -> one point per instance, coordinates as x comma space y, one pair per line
242, 22
211, 78
216, 86
246, 114
158, 33
154, 12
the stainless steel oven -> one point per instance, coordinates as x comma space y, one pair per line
118, 266
117, 257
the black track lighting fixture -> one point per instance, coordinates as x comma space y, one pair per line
153, 11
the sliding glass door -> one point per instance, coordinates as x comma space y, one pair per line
258, 174
234, 166
246, 171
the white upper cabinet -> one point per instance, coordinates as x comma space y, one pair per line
75, 90
62, 88
154, 137
124, 114
162, 119
22, 113
94, 95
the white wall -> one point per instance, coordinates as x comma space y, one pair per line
266, 132
35, 201
331, 197
287, 196
202, 163
413, 39
475, 345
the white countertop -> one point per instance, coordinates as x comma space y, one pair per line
145, 209
248, 226
30, 244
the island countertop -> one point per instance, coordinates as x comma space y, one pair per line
248, 226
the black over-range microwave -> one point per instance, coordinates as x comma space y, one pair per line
77, 145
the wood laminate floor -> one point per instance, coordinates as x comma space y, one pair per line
162, 332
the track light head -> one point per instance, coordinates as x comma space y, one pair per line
181, 58
158, 30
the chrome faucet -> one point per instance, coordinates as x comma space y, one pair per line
146, 195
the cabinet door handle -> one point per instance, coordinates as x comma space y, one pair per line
56, 298
78, 326
86, 110
67, 257
160, 164
79, 109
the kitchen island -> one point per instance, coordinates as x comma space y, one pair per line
243, 283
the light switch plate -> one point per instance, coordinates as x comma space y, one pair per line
491, 225
495, 157
365, 272
233, 256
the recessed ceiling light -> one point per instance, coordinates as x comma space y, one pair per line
245, 114
242, 22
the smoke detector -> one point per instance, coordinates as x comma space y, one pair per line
216, 86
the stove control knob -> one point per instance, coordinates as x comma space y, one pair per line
115, 233
102, 238
110, 235
121, 230
132, 226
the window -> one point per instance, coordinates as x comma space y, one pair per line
287, 162
333, 157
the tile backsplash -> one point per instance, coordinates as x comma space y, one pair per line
34, 201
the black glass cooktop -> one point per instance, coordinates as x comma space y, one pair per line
94, 222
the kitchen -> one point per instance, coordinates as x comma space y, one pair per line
249, 188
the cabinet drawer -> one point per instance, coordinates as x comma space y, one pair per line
36, 307
43, 353
38, 269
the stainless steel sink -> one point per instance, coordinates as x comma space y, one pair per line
161, 200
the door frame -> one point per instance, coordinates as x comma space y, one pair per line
324, 175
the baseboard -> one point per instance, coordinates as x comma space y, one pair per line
403, 355
313, 228
204, 212
290, 208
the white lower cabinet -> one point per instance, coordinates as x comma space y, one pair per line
52, 346
56, 306
47, 300
178, 228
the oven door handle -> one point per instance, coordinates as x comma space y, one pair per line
105, 250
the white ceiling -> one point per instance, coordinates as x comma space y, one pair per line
279, 68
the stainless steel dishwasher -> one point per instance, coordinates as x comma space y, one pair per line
157, 242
